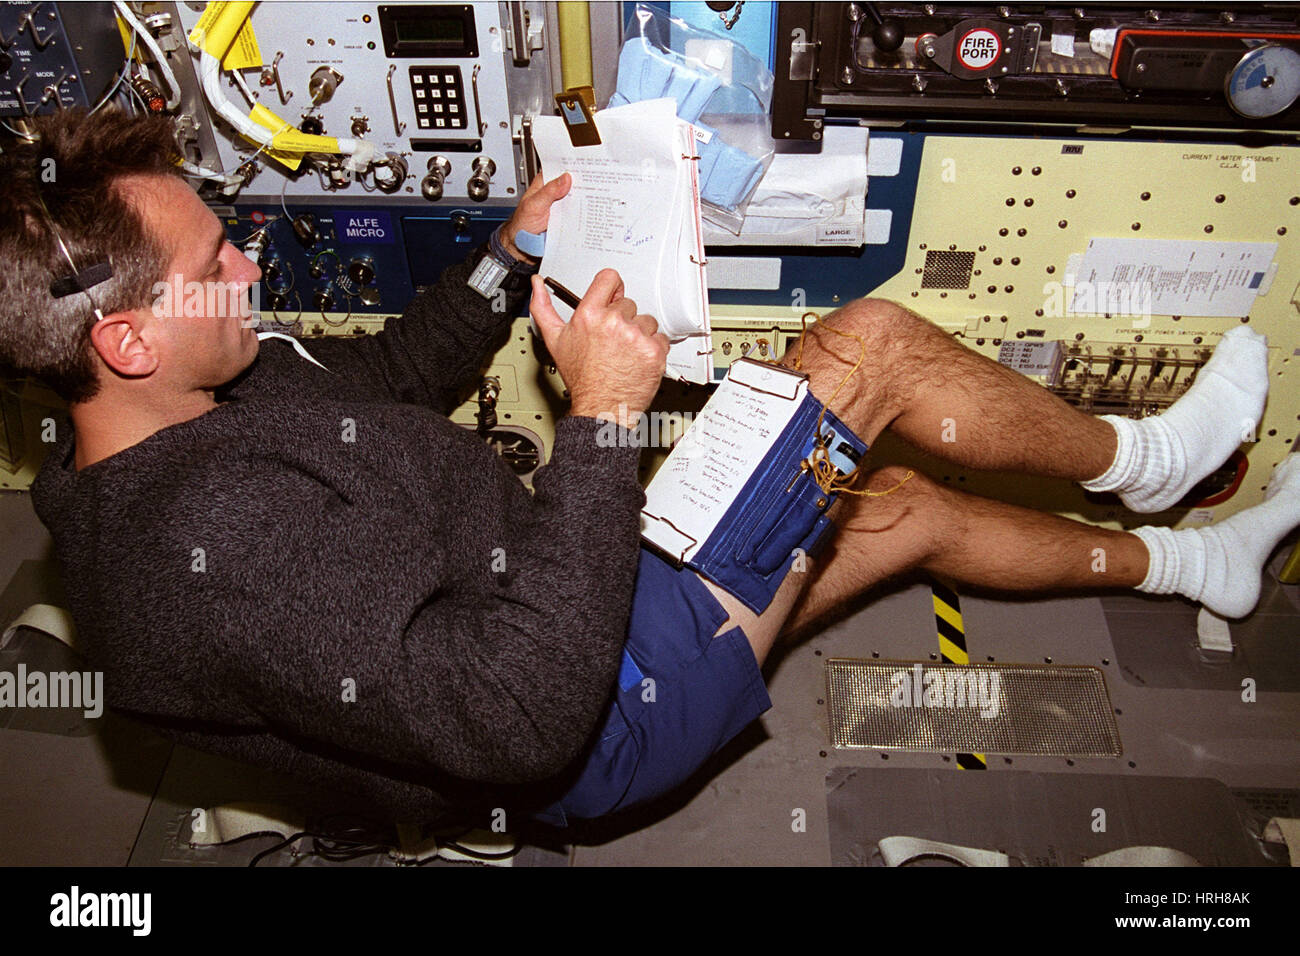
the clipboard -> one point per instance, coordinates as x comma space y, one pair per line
734, 500
577, 107
634, 207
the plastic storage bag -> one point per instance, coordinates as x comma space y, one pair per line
721, 88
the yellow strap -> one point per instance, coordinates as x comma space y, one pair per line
222, 23
289, 139
824, 472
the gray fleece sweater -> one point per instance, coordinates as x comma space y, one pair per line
254, 584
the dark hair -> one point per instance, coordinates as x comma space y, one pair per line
74, 163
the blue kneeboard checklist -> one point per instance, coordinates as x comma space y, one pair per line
734, 499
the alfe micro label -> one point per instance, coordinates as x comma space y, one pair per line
370, 226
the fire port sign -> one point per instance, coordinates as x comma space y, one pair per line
979, 49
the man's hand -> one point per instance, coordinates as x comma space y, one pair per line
534, 211
607, 354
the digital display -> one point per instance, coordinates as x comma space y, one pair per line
413, 30
440, 30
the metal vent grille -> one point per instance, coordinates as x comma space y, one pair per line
1033, 709
947, 269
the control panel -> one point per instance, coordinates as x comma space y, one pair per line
1188, 65
50, 61
329, 269
425, 82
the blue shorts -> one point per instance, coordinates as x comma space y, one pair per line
682, 695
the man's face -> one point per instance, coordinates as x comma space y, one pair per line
201, 316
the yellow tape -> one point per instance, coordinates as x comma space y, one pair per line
264, 117
290, 143
125, 30
224, 30
290, 139
952, 652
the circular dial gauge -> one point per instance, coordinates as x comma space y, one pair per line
1265, 82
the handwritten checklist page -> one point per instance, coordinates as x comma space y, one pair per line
633, 207
719, 453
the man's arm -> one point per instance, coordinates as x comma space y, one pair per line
430, 354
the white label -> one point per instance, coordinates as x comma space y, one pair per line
875, 226
745, 272
1146, 277
884, 155
838, 236
1200, 516
979, 49
1063, 44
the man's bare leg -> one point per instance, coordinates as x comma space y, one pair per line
936, 528
918, 380
953, 402
945, 398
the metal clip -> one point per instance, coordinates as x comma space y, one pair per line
577, 108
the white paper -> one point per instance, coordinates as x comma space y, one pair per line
633, 207
1170, 277
719, 452
1063, 44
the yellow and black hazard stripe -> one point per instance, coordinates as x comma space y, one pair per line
952, 647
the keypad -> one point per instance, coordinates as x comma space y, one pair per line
439, 96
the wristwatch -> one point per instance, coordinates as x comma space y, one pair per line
498, 269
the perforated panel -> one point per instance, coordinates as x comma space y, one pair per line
946, 269
975, 708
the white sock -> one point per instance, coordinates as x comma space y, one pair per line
1221, 565
1160, 459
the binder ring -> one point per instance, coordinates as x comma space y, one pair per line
696, 158
698, 262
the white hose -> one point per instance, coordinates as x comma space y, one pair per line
173, 88
203, 172
361, 150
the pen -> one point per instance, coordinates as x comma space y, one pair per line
567, 297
